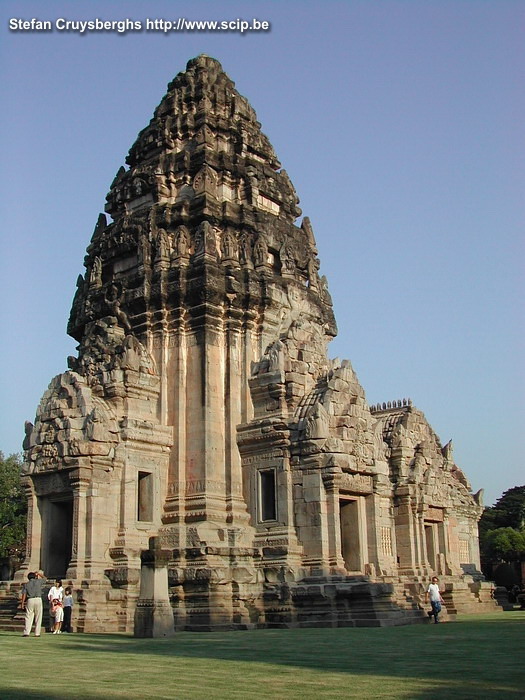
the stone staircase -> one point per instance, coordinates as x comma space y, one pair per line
411, 597
11, 617
468, 596
462, 596
352, 601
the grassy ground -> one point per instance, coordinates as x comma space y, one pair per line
476, 657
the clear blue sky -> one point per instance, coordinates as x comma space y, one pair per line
401, 126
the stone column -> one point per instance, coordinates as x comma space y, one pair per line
316, 519
34, 532
361, 534
420, 537
153, 614
177, 416
333, 532
236, 505
405, 531
79, 483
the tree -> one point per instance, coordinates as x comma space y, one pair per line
505, 543
502, 531
510, 508
509, 511
13, 508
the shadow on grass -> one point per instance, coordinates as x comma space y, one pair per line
476, 657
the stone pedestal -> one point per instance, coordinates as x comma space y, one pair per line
153, 615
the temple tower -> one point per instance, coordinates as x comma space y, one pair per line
202, 428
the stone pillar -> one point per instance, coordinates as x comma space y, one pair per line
474, 549
235, 503
443, 544
153, 614
79, 484
420, 537
34, 532
177, 417
317, 517
405, 530
330, 539
362, 506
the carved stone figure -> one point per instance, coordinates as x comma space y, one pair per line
229, 247
163, 245
94, 427
317, 423
260, 252
112, 299
245, 253
182, 242
275, 353
287, 259
131, 354
95, 277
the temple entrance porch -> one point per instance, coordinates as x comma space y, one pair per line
57, 534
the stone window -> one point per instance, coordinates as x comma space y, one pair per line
464, 553
386, 541
267, 495
145, 497
267, 204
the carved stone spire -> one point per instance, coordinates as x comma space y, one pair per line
202, 158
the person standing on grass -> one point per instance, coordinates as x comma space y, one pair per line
32, 603
56, 592
433, 593
58, 611
68, 608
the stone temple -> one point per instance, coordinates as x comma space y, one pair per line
202, 456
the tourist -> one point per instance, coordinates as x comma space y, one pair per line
68, 608
32, 603
56, 592
57, 611
435, 599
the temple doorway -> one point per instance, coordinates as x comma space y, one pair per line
57, 535
430, 540
350, 541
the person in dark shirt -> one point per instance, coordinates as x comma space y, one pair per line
32, 603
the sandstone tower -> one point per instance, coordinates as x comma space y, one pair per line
203, 422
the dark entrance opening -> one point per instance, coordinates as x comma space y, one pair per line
350, 545
268, 510
57, 536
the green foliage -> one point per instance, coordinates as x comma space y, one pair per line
504, 543
509, 511
511, 508
505, 575
502, 528
13, 507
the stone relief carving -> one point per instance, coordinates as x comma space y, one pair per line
260, 252
95, 276
317, 423
182, 242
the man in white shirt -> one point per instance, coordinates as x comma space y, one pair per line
435, 599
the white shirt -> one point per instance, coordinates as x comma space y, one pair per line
433, 592
55, 592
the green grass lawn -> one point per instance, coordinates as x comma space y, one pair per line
476, 657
